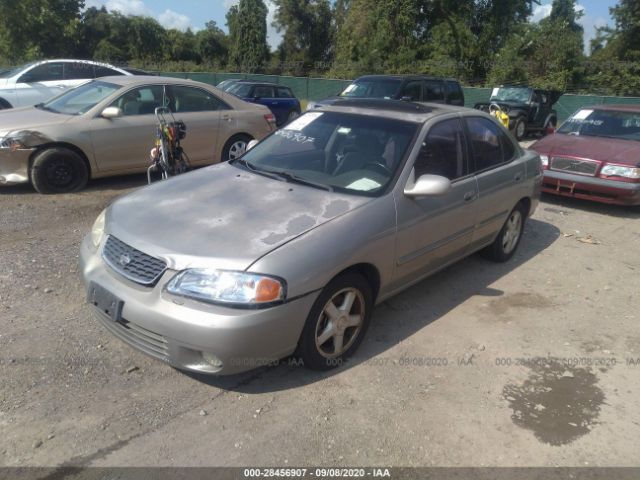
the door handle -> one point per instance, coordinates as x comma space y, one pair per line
518, 177
226, 117
469, 196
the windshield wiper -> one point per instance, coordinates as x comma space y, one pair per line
289, 177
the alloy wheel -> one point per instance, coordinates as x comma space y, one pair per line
340, 323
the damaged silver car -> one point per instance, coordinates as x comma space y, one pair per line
106, 127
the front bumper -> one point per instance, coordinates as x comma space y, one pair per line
177, 330
591, 188
14, 166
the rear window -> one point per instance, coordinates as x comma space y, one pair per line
455, 92
283, 92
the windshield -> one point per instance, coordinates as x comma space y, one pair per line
240, 89
8, 73
603, 123
349, 153
81, 99
511, 94
386, 88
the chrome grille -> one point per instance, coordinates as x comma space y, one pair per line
574, 165
131, 263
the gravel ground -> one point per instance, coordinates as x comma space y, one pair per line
528, 363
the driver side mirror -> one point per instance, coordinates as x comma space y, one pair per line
427, 186
111, 112
251, 144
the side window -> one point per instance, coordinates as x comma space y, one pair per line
263, 91
443, 151
434, 91
189, 99
106, 72
47, 72
455, 93
142, 100
283, 92
489, 143
412, 90
78, 71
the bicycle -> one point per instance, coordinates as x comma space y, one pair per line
167, 156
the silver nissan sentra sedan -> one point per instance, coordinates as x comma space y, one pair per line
286, 249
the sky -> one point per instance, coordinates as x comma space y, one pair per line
195, 13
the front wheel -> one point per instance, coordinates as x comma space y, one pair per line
58, 170
235, 147
507, 241
336, 323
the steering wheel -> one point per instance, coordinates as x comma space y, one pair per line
380, 166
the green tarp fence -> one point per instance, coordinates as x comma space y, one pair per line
319, 88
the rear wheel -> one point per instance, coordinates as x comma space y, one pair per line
520, 128
292, 116
336, 323
507, 241
58, 170
235, 147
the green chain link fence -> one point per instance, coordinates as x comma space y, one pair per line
319, 88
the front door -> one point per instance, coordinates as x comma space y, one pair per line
124, 143
436, 230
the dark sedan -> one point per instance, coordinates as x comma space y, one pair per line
595, 155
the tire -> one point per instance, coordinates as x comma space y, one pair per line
520, 129
4, 104
58, 170
550, 123
319, 353
507, 241
235, 147
292, 116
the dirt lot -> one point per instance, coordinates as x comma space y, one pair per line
529, 363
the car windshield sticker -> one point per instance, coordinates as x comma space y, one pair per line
294, 136
494, 92
301, 122
364, 184
582, 115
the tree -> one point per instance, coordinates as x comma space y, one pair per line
307, 30
212, 45
31, 29
247, 25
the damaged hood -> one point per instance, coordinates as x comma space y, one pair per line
221, 217
29, 118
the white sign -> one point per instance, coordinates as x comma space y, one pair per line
364, 184
301, 122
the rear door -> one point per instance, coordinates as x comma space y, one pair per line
200, 110
499, 174
455, 96
436, 230
265, 95
412, 91
39, 84
434, 91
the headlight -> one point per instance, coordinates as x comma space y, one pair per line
620, 171
9, 143
227, 287
98, 229
545, 160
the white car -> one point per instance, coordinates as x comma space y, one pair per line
39, 81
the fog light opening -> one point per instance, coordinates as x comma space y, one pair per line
212, 360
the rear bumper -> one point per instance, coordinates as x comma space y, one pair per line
178, 331
591, 188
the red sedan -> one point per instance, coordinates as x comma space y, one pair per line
595, 155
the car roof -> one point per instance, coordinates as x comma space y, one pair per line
405, 77
418, 112
627, 107
148, 79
